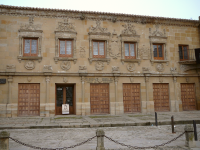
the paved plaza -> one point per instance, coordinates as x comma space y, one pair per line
132, 129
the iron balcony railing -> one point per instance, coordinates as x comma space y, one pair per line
187, 54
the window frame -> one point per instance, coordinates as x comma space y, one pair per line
98, 56
183, 52
66, 55
158, 58
130, 57
30, 54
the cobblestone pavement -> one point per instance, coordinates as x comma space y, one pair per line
72, 121
131, 135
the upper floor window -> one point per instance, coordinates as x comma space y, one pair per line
30, 47
183, 52
130, 50
98, 49
158, 51
65, 48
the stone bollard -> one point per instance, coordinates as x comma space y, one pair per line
189, 136
4, 140
100, 139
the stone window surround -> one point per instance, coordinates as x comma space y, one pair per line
131, 39
29, 34
159, 40
63, 35
99, 37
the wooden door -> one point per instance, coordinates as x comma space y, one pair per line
161, 96
188, 96
131, 97
65, 95
28, 99
99, 98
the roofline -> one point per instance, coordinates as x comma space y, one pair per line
99, 13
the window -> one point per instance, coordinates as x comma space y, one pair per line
30, 47
158, 52
130, 50
65, 48
183, 52
98, 49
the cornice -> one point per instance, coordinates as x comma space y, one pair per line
92, 15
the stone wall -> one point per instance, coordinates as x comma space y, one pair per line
48, 69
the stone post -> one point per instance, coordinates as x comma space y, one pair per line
4, 140
189, 136
100, 139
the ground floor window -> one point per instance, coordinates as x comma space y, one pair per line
131, 97
188, 96
161, 96
99, 98
28, 99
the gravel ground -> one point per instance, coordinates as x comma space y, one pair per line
132, 135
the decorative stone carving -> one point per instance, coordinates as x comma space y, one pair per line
65, 65
82, 69
131, 79
130, 67
160, 67
175, 79
99, 65
173, 70
187, 79
145, 69
10, 68
82, 52
160, 79
29, 65
82, 79
115, 69
129, 29
144, 52
82, 17
65, 80
114, 19
116, 79
185, 68
98, 28
47, 79
114, 48
66, 26
31, 25
146, 79
99, 80
29, 79
157, 33
47, 68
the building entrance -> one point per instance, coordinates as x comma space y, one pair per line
65, 95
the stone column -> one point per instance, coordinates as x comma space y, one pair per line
9, 101
175, 95
116, 97
83, 96
147, 93
189, 136
4, 140
47, 97
100, 139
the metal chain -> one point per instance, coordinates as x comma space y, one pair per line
136, 147
35, 147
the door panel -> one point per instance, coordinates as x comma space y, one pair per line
99, 98
188, 96
65, 95
28, 99
161, 96
131, 97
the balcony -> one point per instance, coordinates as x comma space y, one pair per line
187, 56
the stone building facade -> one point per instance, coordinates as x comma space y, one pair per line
98, 63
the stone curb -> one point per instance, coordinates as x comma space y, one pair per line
101, 125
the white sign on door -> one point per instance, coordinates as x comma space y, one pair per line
65, 108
